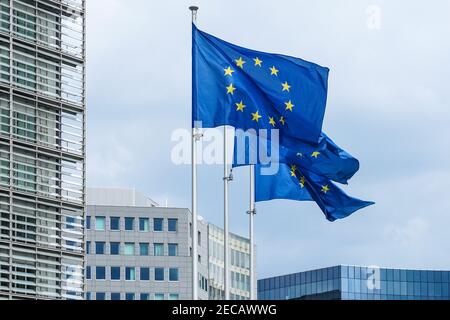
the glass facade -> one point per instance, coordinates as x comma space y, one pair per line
357, 283
42, 149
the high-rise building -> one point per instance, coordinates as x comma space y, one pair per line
137, 250
42, 148
357, 283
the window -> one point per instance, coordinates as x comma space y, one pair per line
130, 273
145, 273
158, 224
145, 296
173, 274
159, 274
129, 296
174, 296
100, 223
115, 273
199, 238
88, 222
173, 225
115, 296
88, 296
100, 296
159, 296
144, 224
88, 273
88, 247
158, 249
70, 223
129, 224
143, 249
114, 223
173, 249
129, 249
100, 273
99, 247
114, 248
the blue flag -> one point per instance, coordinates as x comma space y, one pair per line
246, 89
301, 185
324, 158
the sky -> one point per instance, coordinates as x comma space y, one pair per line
388, 105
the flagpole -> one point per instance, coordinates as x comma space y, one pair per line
252, 213
226, 179
195, 137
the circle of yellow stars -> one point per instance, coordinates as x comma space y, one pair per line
302, 180
285, 87
255, 116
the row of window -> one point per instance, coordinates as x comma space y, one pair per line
363, 296
353, 272
130, 296
129, 273
418, 289
130, 224
129, 248
431, 289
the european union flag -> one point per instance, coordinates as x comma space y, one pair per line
302, 185
324, 158
251, 89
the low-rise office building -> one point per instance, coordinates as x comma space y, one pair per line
137, 250
357, 283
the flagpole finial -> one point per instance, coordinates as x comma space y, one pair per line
194, 10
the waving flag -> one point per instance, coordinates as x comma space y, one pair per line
251, 89
324, 158
301, 185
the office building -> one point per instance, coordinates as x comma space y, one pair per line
239, 265
357, 283
42, 148
138, 250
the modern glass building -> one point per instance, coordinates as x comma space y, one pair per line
357, 283
42, 148
138, 250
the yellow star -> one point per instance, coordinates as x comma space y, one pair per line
283, 121
293, 169
315, 154
258, 62
240, 106
230, 89
274, 71
302, 182
240, 62
272, 121
286, 86
228, 71
289, 105
256, 116
325, 189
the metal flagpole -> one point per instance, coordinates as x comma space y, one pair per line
195, 137
226, 250
252, 213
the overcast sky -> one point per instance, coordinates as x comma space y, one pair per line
388, 105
